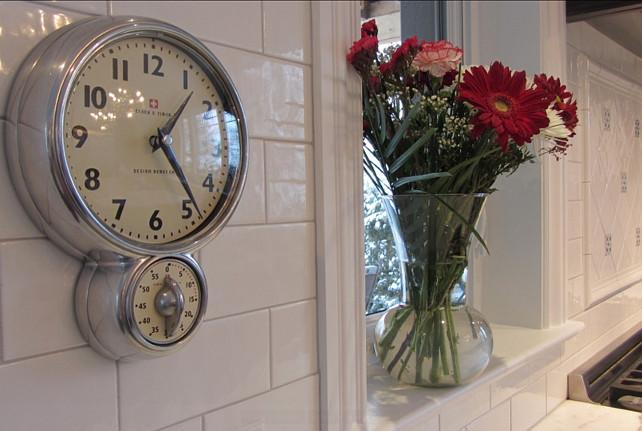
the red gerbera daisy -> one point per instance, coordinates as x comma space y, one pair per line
504, 104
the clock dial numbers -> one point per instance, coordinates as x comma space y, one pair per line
132, 94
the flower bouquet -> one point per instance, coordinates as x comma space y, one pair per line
436, 137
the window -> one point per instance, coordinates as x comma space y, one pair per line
379, 244
379, 251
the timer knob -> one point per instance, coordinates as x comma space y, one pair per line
170, 303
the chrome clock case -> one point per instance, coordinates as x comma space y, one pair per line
113, 264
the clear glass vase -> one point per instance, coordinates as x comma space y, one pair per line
428, 340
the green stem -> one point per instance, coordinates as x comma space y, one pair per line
443, 330
385, 343
452, 340
422, 343
436, 332
404, 363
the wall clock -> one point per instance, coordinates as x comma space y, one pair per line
127, 145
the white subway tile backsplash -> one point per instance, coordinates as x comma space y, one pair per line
289, 180
508, 385
23, 26
498, 419
518, 379
15, 220
556, 387
529, 406
572, 55
575, 296
292, 341
429, 424
71, 390
214, 21
294, 44
252, 267
277, 410
37, 283
91, 7
251, 207
227, 361
472, 406
574, 258
195, 424
276, 95
574, 218
574, 189
574, 35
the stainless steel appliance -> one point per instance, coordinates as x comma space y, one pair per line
613, 377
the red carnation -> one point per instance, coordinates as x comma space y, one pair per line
362, 53
402, 57
369, 28
386, 69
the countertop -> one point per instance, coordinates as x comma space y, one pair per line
577, 415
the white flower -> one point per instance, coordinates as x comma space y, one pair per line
556, 127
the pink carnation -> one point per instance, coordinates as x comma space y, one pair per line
438, 58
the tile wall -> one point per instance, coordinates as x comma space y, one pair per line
604, 182
253, 365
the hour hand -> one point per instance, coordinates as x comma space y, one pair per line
156, 142
165, 142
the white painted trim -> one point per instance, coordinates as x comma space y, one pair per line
339, 216
455, 22
553, 62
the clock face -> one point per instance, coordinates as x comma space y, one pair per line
147, 138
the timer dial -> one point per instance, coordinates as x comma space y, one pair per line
164, 302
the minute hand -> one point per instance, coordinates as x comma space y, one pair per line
166, 145
171, 122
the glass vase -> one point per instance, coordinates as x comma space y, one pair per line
429, 340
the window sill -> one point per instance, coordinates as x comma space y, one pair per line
395, 406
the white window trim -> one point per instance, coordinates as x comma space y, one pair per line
339, 216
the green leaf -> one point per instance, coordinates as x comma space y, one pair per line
402, 181
465, 221
410, 151
443, 185
404, 126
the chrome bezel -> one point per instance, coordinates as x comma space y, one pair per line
103, 304
126, 304
35, 149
